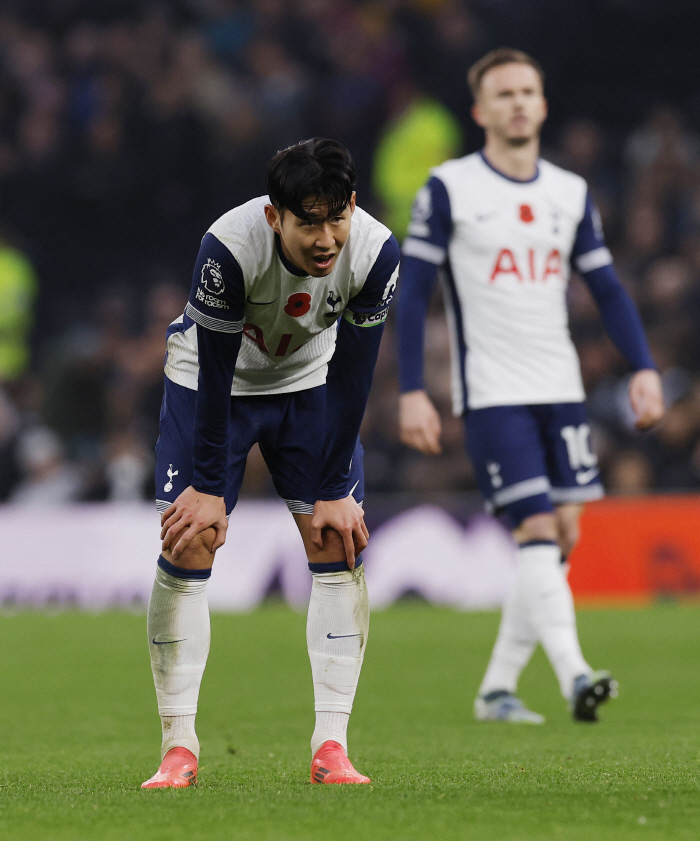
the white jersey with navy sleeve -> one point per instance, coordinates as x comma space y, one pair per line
288, 319
505, 247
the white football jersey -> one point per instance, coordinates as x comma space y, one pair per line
505, 247
288, 320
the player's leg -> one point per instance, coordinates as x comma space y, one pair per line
336, 634
573, 470
541, 580
338, 616
178, 613
502, 444
591, 689
178, 640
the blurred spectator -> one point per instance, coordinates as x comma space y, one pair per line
48, 477
421, 133
18, 289
630, 473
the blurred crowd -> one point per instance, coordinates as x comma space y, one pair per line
126, 128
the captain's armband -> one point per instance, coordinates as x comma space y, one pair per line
366, 319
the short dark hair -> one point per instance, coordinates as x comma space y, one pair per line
503, 55
319, 168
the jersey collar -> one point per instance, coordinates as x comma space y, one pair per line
508, 177
290, 267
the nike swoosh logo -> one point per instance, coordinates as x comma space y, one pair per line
352, 489
166, 642
582, 477
341, 636
260, 303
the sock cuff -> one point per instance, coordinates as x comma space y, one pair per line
180, 572
334, 566
537, 543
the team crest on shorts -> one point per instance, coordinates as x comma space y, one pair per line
169, 484
212, 279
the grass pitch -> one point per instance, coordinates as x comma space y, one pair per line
80, 733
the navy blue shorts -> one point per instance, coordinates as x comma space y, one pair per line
530, 458
288, 427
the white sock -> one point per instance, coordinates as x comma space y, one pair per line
178, 731
178, 639
545, 590
336, 635
330, 727
515, 644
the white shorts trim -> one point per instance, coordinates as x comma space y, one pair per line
521, 490
296, 506
588, 493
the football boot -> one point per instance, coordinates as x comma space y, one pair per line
177, 770
501, 705
331, 765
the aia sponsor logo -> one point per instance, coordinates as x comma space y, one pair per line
528, 266
526, 214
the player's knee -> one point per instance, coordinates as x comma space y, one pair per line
568, 537
333, 550
541, 526
197, 554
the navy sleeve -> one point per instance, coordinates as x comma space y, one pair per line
371, 304
620, 316
424, 251
589, 251
218, 352
351, 369
591, 257
217, 297
216, 305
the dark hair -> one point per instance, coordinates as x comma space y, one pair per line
503, 55
318, 169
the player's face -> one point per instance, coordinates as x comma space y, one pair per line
511, 104
312, 245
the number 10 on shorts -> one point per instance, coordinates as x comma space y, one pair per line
578, 446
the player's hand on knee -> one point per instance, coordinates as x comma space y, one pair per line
345, 517
419, 423
647, 398
192, 513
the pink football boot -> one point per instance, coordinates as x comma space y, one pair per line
331, 765
177, 770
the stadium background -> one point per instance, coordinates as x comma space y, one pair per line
126, 128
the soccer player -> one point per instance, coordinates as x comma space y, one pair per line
505, 226
277, 345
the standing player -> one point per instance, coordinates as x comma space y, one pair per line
505, 226
277, 345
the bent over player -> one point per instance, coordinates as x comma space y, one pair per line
277, 345
505, 226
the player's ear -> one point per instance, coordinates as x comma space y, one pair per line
274, 220
476, 115
351, 203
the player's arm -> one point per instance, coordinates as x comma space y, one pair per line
350, 373
219, 319
424, 251
590, 256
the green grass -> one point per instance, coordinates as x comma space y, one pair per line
80, 732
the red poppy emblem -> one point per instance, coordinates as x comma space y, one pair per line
298, 304
526, 214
